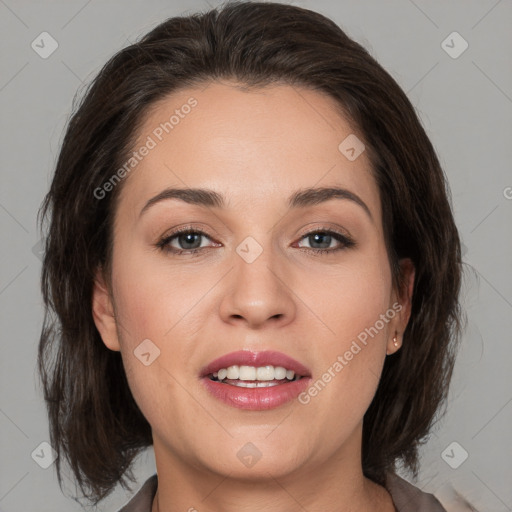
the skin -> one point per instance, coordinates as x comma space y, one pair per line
256, 147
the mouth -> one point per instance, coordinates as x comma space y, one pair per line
255, 380
254, 377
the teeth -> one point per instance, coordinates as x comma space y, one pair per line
253, 373
234, 372
242, 372
243, 384
265, 373
279, 372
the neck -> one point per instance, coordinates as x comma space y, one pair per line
337, 484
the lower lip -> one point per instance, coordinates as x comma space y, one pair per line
256, 399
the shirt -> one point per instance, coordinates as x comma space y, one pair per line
406, 497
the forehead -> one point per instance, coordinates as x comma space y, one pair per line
248, 144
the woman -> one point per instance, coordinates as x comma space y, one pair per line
253, 266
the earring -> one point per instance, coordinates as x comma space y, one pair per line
395, 341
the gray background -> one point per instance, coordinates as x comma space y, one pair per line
465, 104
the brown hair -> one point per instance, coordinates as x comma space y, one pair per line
94, 420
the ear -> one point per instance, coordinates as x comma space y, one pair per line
103, 312
403, 298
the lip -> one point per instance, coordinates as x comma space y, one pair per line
250, 358
256, 399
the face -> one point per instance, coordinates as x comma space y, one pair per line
254, 271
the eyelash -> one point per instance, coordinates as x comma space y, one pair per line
346, 241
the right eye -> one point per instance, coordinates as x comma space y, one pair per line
187, 240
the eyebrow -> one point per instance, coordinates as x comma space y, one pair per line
300, 199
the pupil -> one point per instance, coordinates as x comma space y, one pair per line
322, 235
186, 238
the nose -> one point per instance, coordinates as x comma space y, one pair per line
259, 292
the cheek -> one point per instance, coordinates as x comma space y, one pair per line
349, 300
352, 305
151, 298
160, 304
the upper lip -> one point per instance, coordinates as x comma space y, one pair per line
250, 358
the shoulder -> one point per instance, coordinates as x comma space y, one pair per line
143, 499
408, 498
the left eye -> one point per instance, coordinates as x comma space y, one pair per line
323, 239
